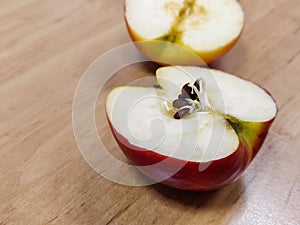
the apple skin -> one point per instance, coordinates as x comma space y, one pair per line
217, 173
189, 57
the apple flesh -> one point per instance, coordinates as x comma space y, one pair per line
207, 148
208, 29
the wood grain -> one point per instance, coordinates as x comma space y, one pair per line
45, 46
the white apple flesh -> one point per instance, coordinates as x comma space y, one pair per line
208, 28
222, 138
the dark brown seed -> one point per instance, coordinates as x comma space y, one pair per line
157, 86
181, 113
197, 85
178, 103
183, 96
194, 96
186, 90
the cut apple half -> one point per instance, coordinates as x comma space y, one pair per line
209, 28
212, 121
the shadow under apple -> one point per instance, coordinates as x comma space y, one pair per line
220, 198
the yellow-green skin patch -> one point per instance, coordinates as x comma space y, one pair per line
248, 132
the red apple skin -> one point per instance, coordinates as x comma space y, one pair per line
217, 174
261, 137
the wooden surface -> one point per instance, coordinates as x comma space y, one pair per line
45, 46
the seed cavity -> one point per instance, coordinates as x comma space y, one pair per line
193, 98
186, 15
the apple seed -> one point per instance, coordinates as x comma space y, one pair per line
178, 103
181, 113
193, 98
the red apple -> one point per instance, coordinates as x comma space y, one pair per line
207, 28
198, 131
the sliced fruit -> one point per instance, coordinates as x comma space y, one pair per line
208, 28
199, 131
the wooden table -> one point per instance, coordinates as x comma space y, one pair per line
45, 46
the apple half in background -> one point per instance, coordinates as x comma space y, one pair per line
208, 28
205, 148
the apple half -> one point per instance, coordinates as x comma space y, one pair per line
197, 130
207, 28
